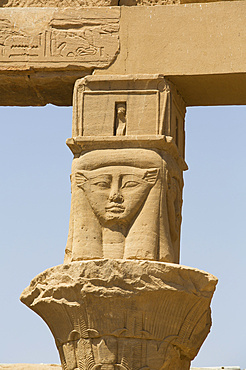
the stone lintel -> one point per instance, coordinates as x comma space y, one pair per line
58, 367
43, 51
189, 39
31, 88
212, 89
198, 47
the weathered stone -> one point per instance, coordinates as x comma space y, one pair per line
38, 88
151, 106
118, 311
53, 367
57, 3
180, 42
164, 42
93, 3
58, 38
126, 203
128, 141
29, 367
112, 314
121, 309
38, 46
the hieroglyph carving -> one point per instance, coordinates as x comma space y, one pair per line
126, 203
57, 3
69, 36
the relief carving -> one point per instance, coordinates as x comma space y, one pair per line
83, 39
128, 315
127, 171
87, 39
15, 43
117, 302
57, 3
126, 203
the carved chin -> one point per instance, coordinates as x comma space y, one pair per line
115, 213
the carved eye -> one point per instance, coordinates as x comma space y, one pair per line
102, 184
130, 184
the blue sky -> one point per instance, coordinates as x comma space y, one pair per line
35, 202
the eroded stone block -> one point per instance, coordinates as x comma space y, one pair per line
109, 314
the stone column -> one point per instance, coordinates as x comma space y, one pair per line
121, 300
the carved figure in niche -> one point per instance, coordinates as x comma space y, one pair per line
126, 203
120, 121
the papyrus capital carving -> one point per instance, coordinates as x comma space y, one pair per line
124, 314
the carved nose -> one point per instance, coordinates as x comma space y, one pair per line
115, 196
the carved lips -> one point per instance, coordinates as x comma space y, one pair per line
115, 208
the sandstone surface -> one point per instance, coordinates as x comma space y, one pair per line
44, 50
30, 367
128, 145
111, 314
58, 367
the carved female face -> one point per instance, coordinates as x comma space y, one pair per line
116, 193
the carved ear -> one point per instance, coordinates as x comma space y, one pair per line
151, 175
80, 179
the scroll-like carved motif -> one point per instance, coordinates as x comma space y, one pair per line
80, 37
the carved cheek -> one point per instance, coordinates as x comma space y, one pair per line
135, 196
99, 194
97, 198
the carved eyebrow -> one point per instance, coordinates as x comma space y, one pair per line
100, 177
132, 174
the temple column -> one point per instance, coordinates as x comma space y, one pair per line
121, 300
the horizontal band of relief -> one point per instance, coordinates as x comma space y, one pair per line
161, 142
